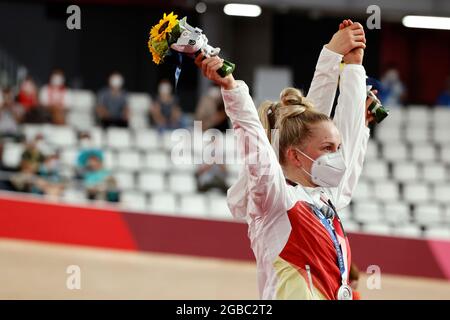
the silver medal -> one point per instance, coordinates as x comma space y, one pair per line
345, 293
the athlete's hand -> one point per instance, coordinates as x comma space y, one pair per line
209, 67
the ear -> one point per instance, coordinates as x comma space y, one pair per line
293, 157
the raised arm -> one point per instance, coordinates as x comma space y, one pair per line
350, 121
261, 187
323, 87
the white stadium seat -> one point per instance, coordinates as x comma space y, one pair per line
157, 160
423, 153
163, 203
367, 212
441, 134
434, 172
437, 232
80, 120
118, 138
363, 191
31, 130
218, 207
147, 139
408, 230
375, 170
441, 193
110, 159
405, 171
417, 115
12, 154
414, 133
69, 156
82, 101
134, 200
139, 102
377, 228
416, 192
372, 150
125, 180
428, 214
386, 134
441, 116
182, 183
445, 153
60, 136
73, 195
387, 190
129, 160
151, 182
395, 151
194, 205
397, 213
97, 136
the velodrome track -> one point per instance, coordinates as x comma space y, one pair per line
129, 255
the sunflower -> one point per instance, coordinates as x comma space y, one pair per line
155, 54
166, 24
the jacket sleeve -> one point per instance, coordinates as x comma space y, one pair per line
322, 91
261, 187
350, 121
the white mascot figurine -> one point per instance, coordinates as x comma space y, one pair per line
192, 41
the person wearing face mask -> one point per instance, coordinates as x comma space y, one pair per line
87, 149
300, 169
166, 113
112, 106
54, 97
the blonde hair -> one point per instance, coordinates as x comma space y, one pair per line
292, 116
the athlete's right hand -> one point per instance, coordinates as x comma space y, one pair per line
349, 36
209, 67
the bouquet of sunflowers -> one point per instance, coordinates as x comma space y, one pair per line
171, 34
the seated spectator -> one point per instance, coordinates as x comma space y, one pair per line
87, 149
28, 98
211, 111
98, 182
444, 97
31, 160
165, 112
54, 97
212, 176
11, 114
27, 95
112, 105
49, 181
393, 90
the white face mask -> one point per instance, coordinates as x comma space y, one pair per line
327, 170
57, 80
164, 89
116, 82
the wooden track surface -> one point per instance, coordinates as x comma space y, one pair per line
33, 270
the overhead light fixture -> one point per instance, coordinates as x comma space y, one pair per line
243, 10
426, 22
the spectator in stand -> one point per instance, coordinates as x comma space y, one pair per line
87, 149
49, 181
112, 106
31, 160
98, 182
28, 98
11, 114
393, 90
444, 97
54, 97
165, 112
211, 111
